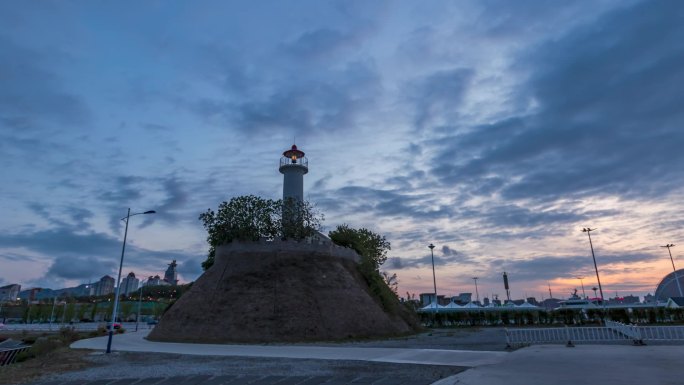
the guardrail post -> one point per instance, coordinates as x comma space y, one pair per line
567, 334
638, 340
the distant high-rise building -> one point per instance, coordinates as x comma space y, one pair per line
84, 290
10, 292
105, 286
129, 284
171, 276
155, 281
33, 294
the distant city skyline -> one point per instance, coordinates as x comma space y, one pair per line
494, 130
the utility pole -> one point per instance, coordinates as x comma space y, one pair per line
508, 292
477, 294
588, 231
434, 279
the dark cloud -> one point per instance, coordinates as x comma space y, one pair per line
387, 203
302, 104
546, 268
439, 95
448, 251
81, 256
607, 120
190, 268
16, 257
447, 257
317, 42
31, 92
80, 268
174, 206
63, 242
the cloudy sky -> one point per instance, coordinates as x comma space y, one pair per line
494, 129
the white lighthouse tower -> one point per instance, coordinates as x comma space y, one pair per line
293, 166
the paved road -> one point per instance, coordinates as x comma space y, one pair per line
135, 342
249, 380
558, 365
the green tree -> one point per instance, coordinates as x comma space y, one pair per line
248, 218
373, 250
299, 219
82, 308
125, 310
391, 281
93, 312
371, 247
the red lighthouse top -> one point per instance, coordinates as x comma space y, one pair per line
293, 154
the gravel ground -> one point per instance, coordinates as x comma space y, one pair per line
123, 365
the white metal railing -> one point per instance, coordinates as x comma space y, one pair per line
612, 331
630, 331
567, 335
7, 356
662, 333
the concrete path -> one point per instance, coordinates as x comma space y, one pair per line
544, 364
584, 364
135, 342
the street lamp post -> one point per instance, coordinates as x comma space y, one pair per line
118, 280
588, 231
52, 313
679, 286
434, 279
477, 294
64, 311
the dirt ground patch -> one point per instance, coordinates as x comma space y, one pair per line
480, 339
59, 361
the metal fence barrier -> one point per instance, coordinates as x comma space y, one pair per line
611, 332
82, 326
7, 356
9, 349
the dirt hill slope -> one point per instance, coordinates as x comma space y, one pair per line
278, 292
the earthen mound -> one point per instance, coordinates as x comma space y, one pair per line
278, 292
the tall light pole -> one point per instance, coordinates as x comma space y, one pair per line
434, 279
118, 280
477, 294
52, 313
679, 286
582, 283
588, 231
64, 311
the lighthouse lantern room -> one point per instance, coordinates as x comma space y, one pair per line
293, 166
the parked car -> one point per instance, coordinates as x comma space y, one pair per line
152, 322
116, 326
